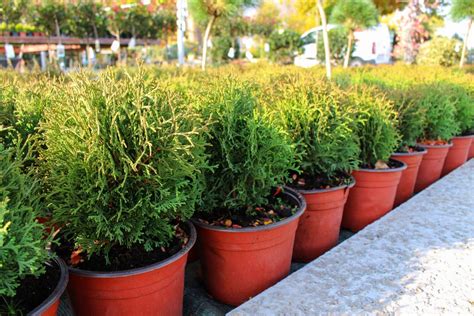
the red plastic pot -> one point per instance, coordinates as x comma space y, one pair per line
239, 263
431, 165
372, 196
406, 187
50, 306
457, 154
156, 289
319, 226
471, 151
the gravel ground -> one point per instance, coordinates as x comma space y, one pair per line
417, 260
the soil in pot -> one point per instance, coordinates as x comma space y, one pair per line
136, 282
431, 164
412, 158
372, 196
240, 262
38, 296
457, 154
319, 226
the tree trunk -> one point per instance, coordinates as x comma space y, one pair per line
327, 51
58, 30
349, 49
464, 45
205, 40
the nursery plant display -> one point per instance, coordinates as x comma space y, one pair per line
377, 177
32, 280
123, 160
322, 128
247, 224
459, 152
440, 127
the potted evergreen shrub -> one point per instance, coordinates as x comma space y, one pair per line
411, 119
464, 104
32, 279
378, 176
123, 159
247, 223
327, 144
440, 126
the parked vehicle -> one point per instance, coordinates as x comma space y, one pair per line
372, 46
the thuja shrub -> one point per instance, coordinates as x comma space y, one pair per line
248, 153
440, 123
123, 161
23, 240
376, 122
464, 107
320, 127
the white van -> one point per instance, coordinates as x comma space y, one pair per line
372, 46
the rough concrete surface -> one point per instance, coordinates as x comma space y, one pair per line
416, 260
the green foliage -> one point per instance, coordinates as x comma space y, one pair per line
23, 240
123, 157
89, 19
322, 128
283, 45
462, 9
376, 123
203, 10
440, 110
52, 16
337, 45
355, 14
440, 51
250, 155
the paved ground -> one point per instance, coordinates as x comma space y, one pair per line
417, 260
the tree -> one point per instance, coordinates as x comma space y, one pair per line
116, 24
327, 52
206, 12
353, 15
460, 10
51, 17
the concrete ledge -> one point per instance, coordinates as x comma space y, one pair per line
418, 259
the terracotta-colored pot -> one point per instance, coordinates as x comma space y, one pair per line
372, 196
406, 187
457, 154
471, 151
50, 306
239, 263
319, 226
431, 165
156, 289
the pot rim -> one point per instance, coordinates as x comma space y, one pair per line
141, 270
435, 146
385, 170
415, 153
286, 190
465, 136
57, 292
339, 187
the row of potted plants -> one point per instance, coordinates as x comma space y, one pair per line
122, 168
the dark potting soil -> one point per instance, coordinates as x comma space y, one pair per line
409, 149
32, 292
278, 208
120, 257
309, 182
392, 164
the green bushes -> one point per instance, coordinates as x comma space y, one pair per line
376, 122
123, 161
440, 51
23, 240
440, 123
249, 154
322, 129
